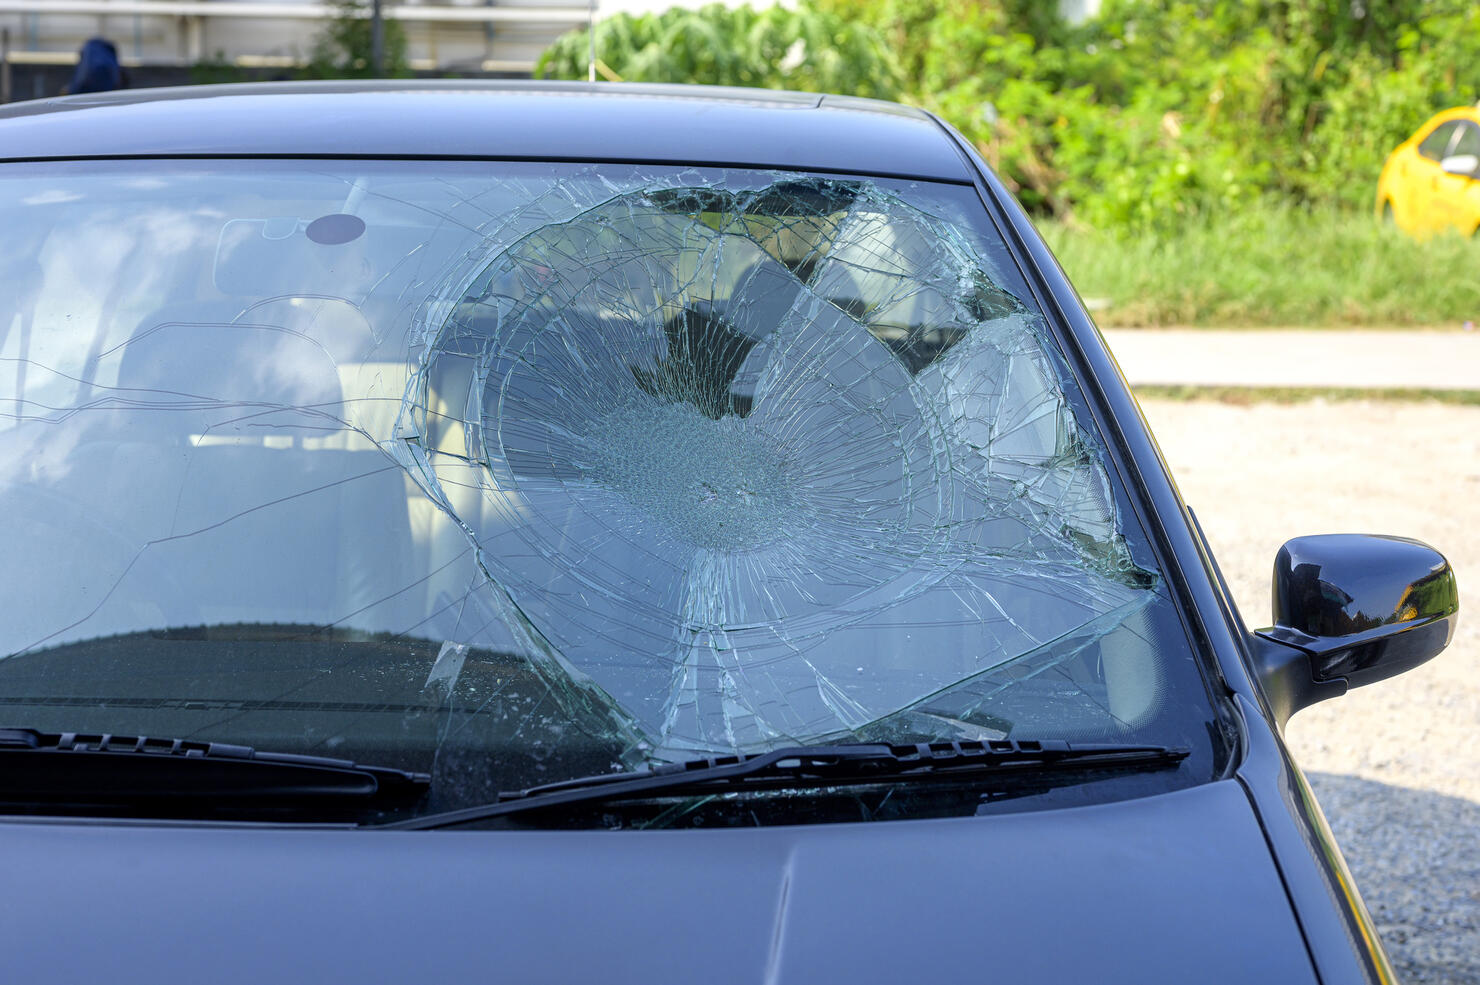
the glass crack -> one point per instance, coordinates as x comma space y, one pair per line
731, 435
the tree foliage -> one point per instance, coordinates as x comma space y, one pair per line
804, 48
344, 48
1148, 112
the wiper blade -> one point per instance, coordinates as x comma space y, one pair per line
52, 768
846, 764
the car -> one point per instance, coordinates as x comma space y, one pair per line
561, 532
1431, 181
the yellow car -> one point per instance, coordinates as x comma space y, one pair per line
1431, 181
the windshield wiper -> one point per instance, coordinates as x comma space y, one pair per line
847, 764
73, 768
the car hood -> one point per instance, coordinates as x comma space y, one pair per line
1177, 887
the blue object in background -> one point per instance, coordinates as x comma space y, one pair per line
97, 68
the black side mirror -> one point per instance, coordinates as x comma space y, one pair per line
1350, 609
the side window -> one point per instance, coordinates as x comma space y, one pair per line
1469, 140
1434, 144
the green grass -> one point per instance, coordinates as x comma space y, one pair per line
1273, 266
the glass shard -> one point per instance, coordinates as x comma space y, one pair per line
740, 441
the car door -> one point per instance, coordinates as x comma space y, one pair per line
1423, 186
1456, 199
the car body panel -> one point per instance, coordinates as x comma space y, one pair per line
1338, 928
654, 124
1132, 892
1424, 198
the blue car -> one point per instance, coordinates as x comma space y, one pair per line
563, 533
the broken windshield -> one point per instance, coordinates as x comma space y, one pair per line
514, 472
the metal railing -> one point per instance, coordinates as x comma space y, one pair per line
533, 13
533, 24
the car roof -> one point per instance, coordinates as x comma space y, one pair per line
496, 120
1446, 115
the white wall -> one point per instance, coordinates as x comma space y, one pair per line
43, 30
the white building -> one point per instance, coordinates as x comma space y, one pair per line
481, 36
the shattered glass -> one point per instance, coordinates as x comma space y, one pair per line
640, 463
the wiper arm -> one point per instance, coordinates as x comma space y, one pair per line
809, 766
100, 769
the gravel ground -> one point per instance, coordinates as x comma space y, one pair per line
1396, 766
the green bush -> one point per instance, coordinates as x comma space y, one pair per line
1154, 111
803, 48
344, 48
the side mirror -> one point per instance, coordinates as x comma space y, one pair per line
1464, 165
1350, 609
